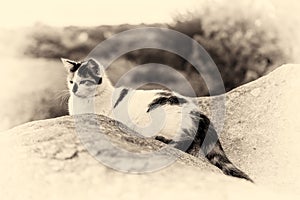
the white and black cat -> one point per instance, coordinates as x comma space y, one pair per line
168, 116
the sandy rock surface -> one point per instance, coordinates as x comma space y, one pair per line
262, 131
47, 159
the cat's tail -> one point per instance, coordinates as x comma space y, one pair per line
215, 156
218, 158
208, 141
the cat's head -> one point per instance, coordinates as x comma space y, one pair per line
85, 79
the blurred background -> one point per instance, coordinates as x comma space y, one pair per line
246, 40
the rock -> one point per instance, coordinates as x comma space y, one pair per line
47, 159
262, 131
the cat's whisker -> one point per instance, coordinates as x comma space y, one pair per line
62, 96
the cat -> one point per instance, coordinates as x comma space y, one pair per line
175, 117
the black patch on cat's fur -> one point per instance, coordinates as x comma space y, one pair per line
160, 101
75, 88
124, 92
75, 67
100, 81
165, 94
85, 71
163, 139
202, 122
205, 131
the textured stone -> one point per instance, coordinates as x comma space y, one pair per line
47, 159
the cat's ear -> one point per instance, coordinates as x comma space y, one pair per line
70, 65
94, 65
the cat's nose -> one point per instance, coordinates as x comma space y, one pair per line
75, 88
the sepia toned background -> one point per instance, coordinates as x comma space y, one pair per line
247, 39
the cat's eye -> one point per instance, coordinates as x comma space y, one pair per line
87, 82
71, 82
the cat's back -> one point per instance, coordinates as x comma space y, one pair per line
153, 111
